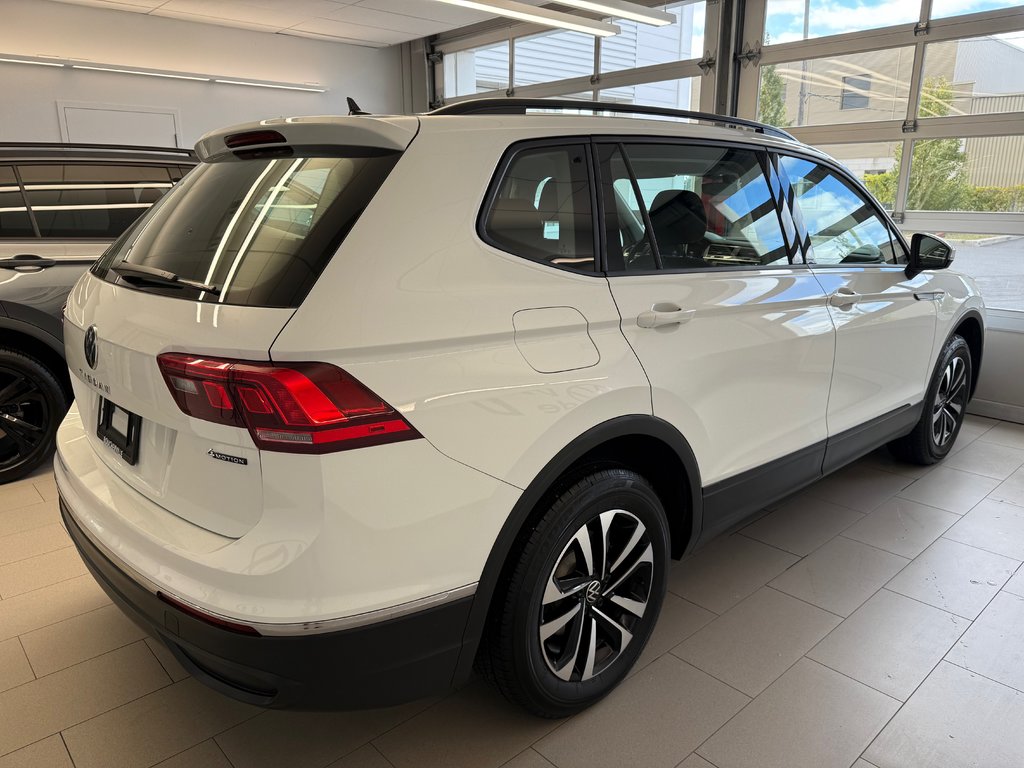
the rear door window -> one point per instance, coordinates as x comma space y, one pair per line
261, 230
14, 218
90, 200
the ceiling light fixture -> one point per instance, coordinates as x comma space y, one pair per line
30, 61
522, 12
139, 72
623, 10
272, 85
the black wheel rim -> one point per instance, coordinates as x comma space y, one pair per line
596, 595
24, 418
950, 400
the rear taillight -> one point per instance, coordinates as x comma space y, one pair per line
298, 407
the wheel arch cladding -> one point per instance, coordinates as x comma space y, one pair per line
36, 345
973, 332
646, 444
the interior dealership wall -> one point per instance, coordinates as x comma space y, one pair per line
29, 112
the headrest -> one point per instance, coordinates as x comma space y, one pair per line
678, 217
549, 199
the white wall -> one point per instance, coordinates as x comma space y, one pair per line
29, 94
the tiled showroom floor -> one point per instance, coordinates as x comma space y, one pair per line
877, 619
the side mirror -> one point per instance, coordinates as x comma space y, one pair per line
928, 252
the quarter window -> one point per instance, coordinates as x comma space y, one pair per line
92, 201
674, 206
542, 209
855, 93
844, 227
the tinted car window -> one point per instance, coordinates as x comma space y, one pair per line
843, 225
542, 208
14, 218
702, 206
92, 200
260, 230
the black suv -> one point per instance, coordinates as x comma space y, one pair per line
61, 205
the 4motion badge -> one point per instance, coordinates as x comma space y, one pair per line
226, 457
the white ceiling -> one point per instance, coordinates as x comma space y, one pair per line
360, 22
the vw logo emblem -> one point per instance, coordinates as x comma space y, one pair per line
90, 346
593, 591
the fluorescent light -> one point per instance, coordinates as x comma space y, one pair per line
138, 72
271, 85
623, 10
514, 10
29, 61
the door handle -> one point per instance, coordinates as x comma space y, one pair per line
929, 295
661, 315
844, 297
27, 262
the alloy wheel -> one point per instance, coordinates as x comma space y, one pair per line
24, 415
950, 400
595, 595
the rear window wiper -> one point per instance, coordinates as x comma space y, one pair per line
160, 277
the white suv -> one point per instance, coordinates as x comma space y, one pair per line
365, 400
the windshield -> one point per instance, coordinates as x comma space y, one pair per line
260, 230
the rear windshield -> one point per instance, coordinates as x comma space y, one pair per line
259, 230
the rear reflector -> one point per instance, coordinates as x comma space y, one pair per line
296, 408
209, 618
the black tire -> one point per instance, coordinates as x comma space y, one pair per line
555, 677
945, 405
32, 404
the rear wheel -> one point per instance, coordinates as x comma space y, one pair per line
584, 596
944, 408
32, 403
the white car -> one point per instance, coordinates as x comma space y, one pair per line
365, 400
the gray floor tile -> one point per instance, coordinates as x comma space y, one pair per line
1011, 489
1006, 433
273, 739
365, 757
902, 527
1016, 584
840, 576
678, 620
802, 524
14, 666
988, 459
46, 753
950, 489
862, 763
994, 645
956, 718
170, 664
890, 643
884, 460
695, 761
154, 727
204, 755
50, 704
811, 717
73, 640
954, 577
992, 525
752, 644
528, 759
655, 719
474, 726
726, 571
859, 486
974, 427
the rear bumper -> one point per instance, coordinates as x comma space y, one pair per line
376, 665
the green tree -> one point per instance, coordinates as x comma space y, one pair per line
771, 103
938, 175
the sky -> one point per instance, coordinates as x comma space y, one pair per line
785, 18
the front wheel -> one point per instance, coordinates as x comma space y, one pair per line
945, 406
583, 597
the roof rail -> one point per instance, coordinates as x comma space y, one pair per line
73, 147
520, 106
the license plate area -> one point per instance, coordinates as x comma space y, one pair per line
119, 429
